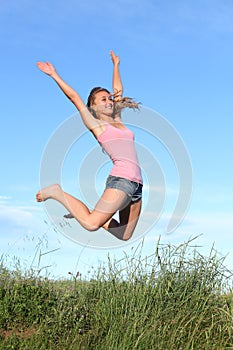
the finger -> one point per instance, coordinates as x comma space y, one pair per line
39, 64
112, 55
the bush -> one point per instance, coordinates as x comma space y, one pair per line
173, 299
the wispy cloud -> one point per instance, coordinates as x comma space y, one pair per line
24, 217
214, 228
4, 197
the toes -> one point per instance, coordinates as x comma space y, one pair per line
68, 216
38, 197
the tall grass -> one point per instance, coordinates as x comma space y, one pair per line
174, 299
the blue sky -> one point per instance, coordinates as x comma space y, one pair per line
176, 58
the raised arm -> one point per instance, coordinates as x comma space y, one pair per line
116, 78
72, 95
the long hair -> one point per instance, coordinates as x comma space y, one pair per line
124, 102
119, 102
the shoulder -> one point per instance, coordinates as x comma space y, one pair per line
99, 128
118, 118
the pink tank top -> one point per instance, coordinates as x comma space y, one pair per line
119, 145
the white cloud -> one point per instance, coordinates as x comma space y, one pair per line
211, 229
16, 221
4, 198
18, 215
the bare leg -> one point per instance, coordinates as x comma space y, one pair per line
122, 229
111, 201
128, 218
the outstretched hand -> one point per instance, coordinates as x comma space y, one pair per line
46, 67
115, 58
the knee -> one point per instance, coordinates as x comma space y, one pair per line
127, 237
91, 226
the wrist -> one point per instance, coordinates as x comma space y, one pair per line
54, 75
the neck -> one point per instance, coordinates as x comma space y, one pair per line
106, 118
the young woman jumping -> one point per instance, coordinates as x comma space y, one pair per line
123, 192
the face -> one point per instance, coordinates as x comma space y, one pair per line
103, 103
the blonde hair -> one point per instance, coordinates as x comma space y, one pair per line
125, 102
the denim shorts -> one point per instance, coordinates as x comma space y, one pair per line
131, 188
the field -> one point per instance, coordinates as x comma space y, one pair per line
174, 299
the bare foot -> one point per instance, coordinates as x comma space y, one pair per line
52, 191
68, 216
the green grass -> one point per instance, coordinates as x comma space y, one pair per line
174, 299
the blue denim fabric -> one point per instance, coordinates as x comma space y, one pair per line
131, 188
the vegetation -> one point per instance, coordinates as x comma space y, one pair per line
175, 299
